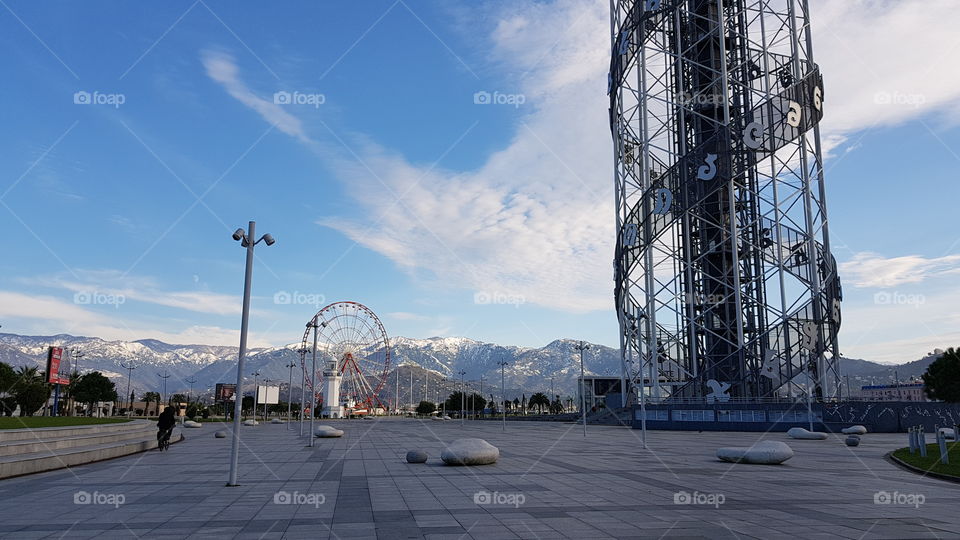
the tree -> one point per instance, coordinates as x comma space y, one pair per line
7, 378
151, 397
539, 400
556, 407
92, 388
942, 379
426, 407
178, 398
476, 401
30, 390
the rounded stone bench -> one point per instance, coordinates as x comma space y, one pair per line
251, 422
220, 434
761, 453
852, 440
277, 421
801, 433
416, 456
192, 424
854, 430
327, 432
470, 452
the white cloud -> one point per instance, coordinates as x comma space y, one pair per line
536, 219
868, 269
90, 283
42, 315
222, 68
871, 51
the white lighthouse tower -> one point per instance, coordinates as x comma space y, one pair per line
331, 395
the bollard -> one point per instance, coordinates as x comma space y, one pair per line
912, 438
942, 442
922, 441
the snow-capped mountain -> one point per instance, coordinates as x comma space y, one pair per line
425, 365
430, 364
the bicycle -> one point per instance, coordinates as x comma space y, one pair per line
163, 439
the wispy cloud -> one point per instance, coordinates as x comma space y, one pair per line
222, 68
536, 219
867, 269
38, 314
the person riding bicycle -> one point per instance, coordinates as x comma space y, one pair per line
165, 424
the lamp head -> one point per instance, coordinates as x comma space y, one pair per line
268, 239
238, 234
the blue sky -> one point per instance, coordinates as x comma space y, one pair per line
385, 183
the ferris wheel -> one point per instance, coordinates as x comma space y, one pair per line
350, 336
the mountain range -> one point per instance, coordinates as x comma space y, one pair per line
433, 363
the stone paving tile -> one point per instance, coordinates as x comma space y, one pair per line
604, 486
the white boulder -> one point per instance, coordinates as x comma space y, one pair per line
326, 432
854, 430
764, 453
277, 421
251, 422
470, 452
192, 424
801, 433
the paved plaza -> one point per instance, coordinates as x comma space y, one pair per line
550, 482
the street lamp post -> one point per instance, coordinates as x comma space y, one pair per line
313, 377
256, 393
247, 241
503, 392
165, 376
290, 394
190, 381
129, 369
303, 386
463, 398
266, 390
582, 346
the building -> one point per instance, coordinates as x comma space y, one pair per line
912, 391
596, 389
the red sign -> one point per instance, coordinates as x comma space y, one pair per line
53, 366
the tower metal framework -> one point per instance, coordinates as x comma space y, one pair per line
725, 286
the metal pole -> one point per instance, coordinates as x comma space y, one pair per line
256, 393
266, 384
290, 395
463, 396
313, 384
303, 387
245, 319
503, 394
582, 346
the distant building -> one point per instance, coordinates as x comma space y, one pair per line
892, 392
596, 389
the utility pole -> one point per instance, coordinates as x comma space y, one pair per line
129, 369
411, 387
503, 392
481, 395
582, 346
77, 355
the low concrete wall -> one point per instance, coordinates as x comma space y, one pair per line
877, 416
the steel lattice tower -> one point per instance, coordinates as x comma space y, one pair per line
723, 271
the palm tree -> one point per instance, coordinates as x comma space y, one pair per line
539, 400
151, 397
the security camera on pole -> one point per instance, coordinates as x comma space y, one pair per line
246, 241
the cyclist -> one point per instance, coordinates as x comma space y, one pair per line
165, 424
